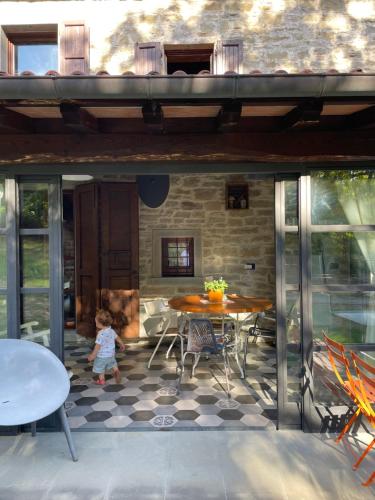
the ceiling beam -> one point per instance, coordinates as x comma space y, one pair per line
361, 119
229, 116
11, 121
153, 116
78, 119
305, 114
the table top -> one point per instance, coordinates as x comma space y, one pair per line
234, 304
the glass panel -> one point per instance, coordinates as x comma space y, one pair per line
34, 258
3, 262
35, 318
293, 334
3, 317
343, 197
343, 258
291, 258
348, 317
34, 205
2, 202
38, 58
291, 203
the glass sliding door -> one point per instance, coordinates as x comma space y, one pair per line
288, 303
339, 280
3, 260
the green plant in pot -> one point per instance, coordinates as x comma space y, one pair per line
215, 289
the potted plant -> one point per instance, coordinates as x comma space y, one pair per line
215, 289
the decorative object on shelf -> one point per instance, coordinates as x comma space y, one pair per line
237, 196
215, 289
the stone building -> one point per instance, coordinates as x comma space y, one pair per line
255, 118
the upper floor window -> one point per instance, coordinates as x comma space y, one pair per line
177, 256
32, 48
190, 58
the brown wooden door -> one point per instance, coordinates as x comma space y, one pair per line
119, 255
87, 257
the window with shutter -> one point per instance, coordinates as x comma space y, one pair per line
228, 56
31, 48
191, 58
149, 57
74, 47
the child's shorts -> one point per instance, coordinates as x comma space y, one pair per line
103, 364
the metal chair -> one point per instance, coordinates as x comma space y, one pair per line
34, 384
157, 310
264, 327
201, 339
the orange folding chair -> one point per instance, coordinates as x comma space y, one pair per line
364, 389
338, 361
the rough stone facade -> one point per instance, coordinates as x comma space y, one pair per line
229, 237
278, 34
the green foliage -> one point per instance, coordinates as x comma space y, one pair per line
216, 285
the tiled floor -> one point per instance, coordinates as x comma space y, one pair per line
147, 399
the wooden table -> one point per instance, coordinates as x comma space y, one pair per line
234, 304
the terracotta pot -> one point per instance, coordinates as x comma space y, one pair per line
215, 296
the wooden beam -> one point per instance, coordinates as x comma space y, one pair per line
229, 115
306, 114
11, 121
78, 119
295, 146
153, 116
361, 119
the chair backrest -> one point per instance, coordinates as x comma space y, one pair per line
337, 358
201, 336
366, 377
153, 307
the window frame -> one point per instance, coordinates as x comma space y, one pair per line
188, 53
177, 271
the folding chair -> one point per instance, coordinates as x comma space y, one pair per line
364, 389
339, 362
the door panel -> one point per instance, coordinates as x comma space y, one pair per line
87, 257
119, 256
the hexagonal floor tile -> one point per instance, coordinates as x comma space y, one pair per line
149, 387
167, 391
188, 387
147, 404
130, 391
230, 414
228, 404
270, 413
223, 387
93, 391
76, 422
255, 420
166, 400
206, 400
104, 406
126, 400
98, 416
86, 401
186, 404
118, 421
113, 388
142, 416
136, 376
247, 399
78, 388
209, 420
156, 367
162, 421
169, 376
186, 415
203, 376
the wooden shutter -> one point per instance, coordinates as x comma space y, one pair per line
228, 56
3, 51
74, 47
149, 57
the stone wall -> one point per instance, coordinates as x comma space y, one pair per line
287, 34
229, 237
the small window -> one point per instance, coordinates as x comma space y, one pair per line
32, 48
189, 58
177, 257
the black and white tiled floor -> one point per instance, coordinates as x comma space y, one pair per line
147, 398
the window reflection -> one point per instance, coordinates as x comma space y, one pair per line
34, 205
38, 58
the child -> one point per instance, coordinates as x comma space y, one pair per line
103, 354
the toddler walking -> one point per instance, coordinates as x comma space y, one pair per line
103, 354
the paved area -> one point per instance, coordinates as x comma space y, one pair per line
222, 465
147, 399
